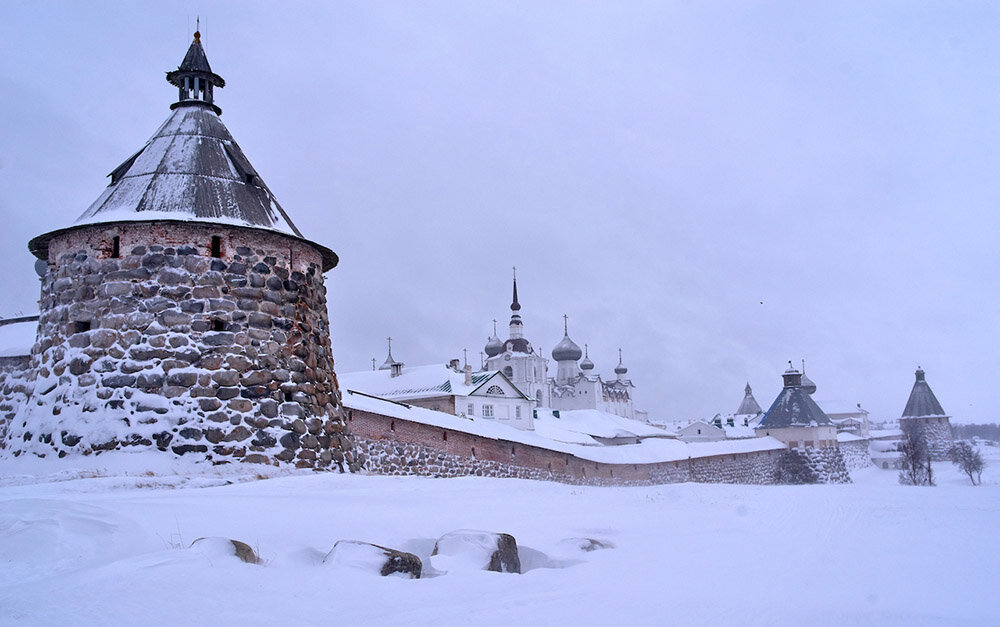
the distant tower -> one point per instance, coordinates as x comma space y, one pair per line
923, 408
749, 406
184, 311
795, 418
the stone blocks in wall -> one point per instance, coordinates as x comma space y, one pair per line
169, 348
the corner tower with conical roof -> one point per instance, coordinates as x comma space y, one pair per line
923, 410
184, 311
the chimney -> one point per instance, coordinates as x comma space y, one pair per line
396, 369
468, 374
453, 364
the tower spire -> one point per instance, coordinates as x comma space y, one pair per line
194, 78
516, 328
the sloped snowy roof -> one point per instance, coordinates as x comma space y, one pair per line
922, 401
16, 339
418, 382
190, 169
596, 423
794, 408
648, 451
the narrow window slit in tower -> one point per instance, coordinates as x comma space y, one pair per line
288, 397
444, 436
218, 325
216, 246
116, 247
81, 326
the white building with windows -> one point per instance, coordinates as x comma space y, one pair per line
516, 358
446, 388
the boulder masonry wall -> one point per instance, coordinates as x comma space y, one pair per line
195, 338
395, 446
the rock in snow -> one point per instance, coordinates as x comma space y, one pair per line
466, 549
226, 547
374, 558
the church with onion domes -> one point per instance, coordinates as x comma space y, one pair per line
575, 384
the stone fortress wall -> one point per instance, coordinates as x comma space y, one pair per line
203, 339
937, 430
395, 446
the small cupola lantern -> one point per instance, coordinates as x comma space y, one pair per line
195, 79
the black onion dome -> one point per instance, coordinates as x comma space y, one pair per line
493, 346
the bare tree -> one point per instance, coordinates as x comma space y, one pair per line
915, 459
969, 460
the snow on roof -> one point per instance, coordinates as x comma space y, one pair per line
417, 382
653, 450
596, 423
17, 338
848, 437
191, 169
840, 407
738, 432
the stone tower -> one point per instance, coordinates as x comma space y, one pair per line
184, 311
925, 412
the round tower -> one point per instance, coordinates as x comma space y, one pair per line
184, 311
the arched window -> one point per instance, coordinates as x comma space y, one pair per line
508, 372
495, 390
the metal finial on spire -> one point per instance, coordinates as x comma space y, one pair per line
619, 356
465, 353
389, 339
197, 28
373, 363
494, 327
565, 325
586, 350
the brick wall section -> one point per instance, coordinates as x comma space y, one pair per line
395, 446
167, 347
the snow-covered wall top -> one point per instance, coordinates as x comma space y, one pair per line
648, 451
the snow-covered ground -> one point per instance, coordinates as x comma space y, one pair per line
101, 541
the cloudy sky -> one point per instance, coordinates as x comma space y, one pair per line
716, 188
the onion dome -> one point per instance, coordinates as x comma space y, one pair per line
566, 349
807, 384
620, 369
493, 344
586, 364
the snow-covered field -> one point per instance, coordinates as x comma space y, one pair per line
102, 542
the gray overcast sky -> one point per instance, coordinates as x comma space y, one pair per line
715, 187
